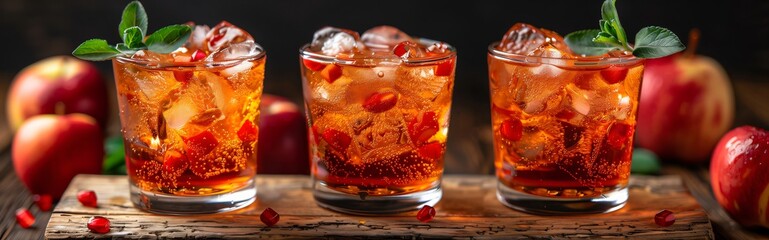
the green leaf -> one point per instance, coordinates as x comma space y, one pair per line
95, 50
168, 39
656, 42
114, 159
610, 16
133, 16
581, 42
606, 38
133, 37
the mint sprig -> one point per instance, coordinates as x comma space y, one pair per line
132, 29
650, 42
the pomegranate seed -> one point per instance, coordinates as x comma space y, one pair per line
380, 102
313, 65
664, 218
422, 128
433, 150
87, 198
98, 224
174, 164
44, 202
201, 144
198, 55
511, 129
269, 217
614, 74
426, 214
445, 68
401, 49
248, 132
331, 73
24, 218
183, 76
337, 139
619, 135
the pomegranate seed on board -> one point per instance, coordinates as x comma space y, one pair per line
98, 224
664, 218
269, 217
426, 214
87, 198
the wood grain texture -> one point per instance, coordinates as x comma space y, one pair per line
469, 209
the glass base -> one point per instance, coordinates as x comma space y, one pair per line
183, 205
374, 205
559, 206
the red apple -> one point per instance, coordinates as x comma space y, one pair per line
58, 85
738, 174
49, 150
282, 147
686, 105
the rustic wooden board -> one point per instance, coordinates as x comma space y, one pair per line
469, 209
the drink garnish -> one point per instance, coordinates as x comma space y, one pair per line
650, 42
133, 30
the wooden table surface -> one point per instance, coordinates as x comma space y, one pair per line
469, 209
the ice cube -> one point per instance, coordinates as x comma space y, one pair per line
578, 100
384, 37
200, 104
522, 39
540, 87
408, 50
155, 85
332, 41
379, 136
525, 39
235, 51
224, 34
198, 37
367, 81
419, 86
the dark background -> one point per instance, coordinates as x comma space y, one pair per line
736, 33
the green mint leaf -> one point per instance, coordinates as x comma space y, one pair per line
133, 37
126, 50
581, 42
611, 18
133, 16
656, 42
168, 39
95, 50
606, 38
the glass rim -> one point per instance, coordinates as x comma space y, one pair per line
305, 53
562, 62
205, 64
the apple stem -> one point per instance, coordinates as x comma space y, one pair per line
694, 39
60, 108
